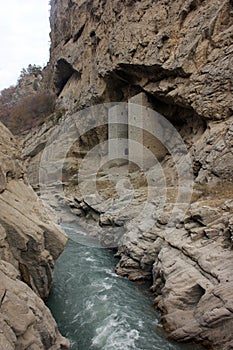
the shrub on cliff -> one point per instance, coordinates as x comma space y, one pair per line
28, 112
32, 69
27, 104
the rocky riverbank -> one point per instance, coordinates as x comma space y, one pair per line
29, 245
190, 262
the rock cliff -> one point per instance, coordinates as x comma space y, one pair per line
29, 245
180, 55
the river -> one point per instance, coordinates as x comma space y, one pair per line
99, 310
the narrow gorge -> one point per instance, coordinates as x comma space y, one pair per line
134, 160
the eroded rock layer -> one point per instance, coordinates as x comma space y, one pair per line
29, 245
180, 53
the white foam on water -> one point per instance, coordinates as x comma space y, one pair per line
111, 273
107, 286
115, 334
75, 318
89, 305
101, 310
102, 297
90, 259
102, 286
107, 271
140, 323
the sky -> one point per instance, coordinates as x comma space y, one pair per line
24, 37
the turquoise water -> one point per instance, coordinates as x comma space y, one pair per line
98, 310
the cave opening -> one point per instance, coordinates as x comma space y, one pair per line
63, 73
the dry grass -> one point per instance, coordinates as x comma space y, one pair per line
213, 194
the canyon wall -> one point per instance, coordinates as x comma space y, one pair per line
180, 53
29, 245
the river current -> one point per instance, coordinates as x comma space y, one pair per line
99, 310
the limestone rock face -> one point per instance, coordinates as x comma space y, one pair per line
179, 52
29, 245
